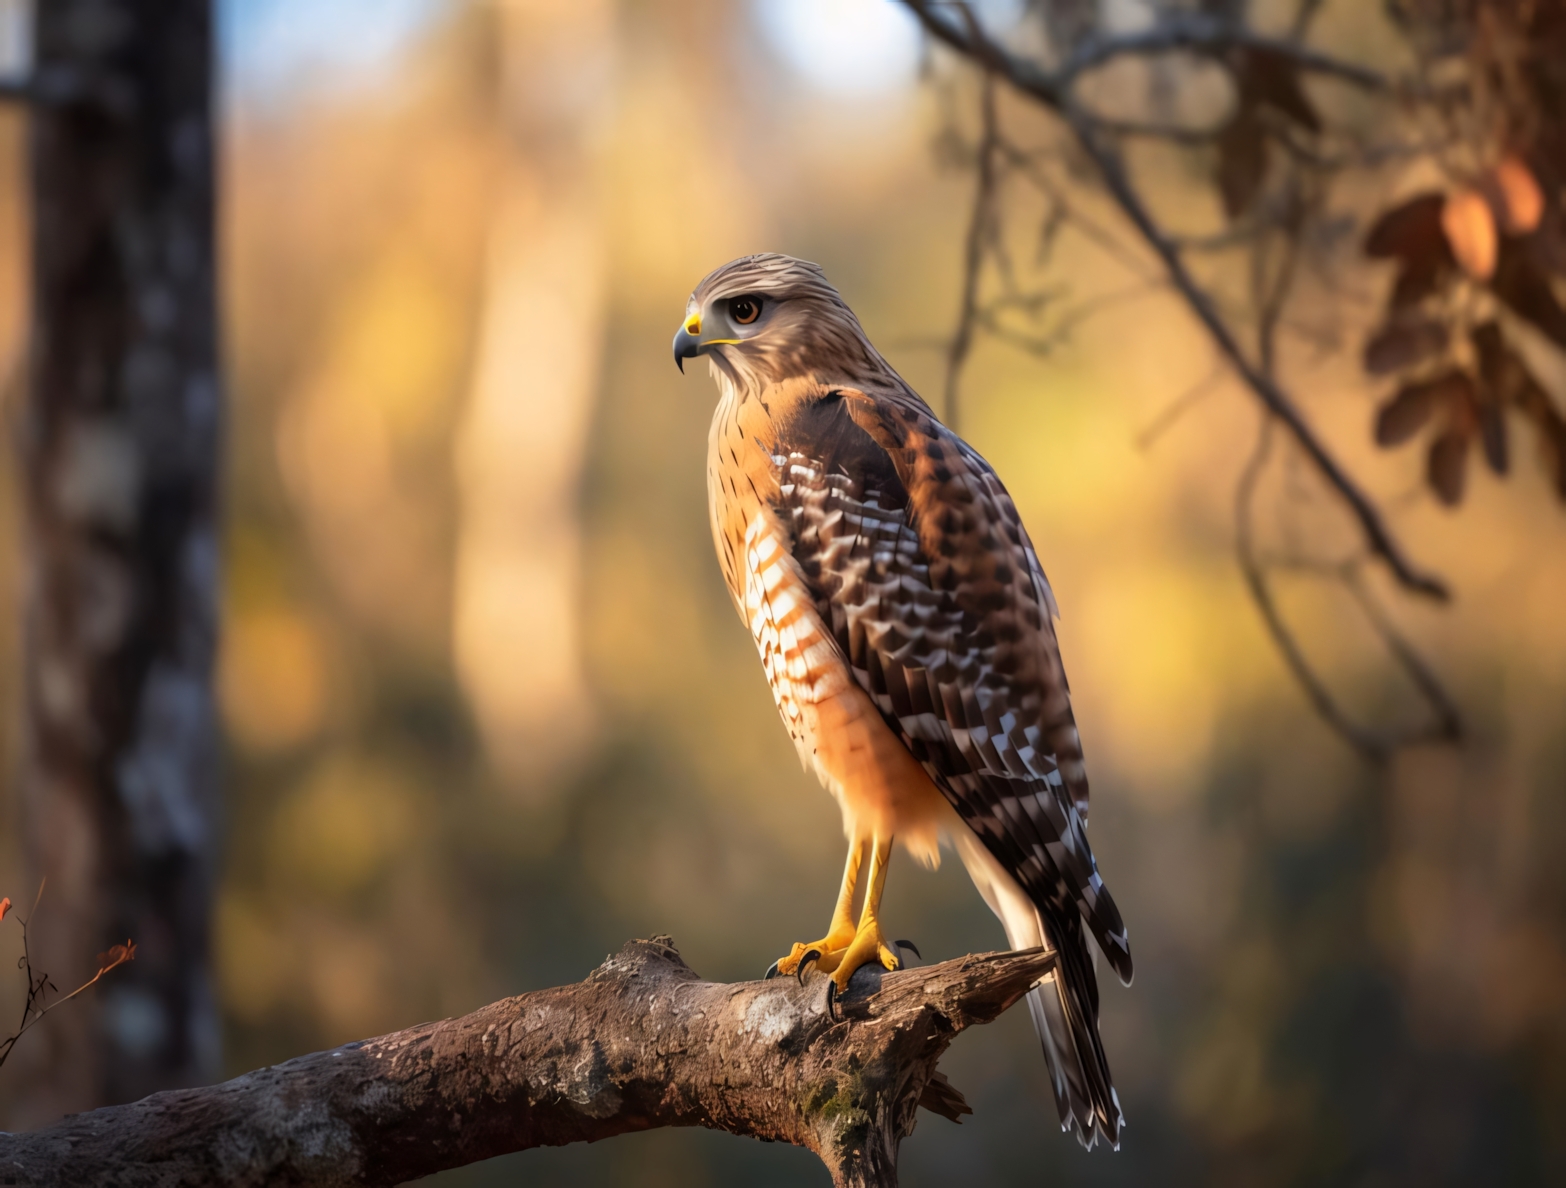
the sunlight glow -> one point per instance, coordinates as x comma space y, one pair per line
846, 47
271, 47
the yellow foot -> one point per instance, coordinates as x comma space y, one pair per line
829, 952
868, 945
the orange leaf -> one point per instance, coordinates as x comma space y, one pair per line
1520, 202
117, 955
5, 906
1470, 230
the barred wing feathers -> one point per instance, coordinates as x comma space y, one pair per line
921, 568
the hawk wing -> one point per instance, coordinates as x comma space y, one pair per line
920, 565
918, 562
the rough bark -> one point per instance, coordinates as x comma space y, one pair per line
642, 1043
119, 451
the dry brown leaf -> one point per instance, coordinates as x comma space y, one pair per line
116, 955
1409, 231
1520, 201
1242, 164
1492, 435
1412, 406
1537, 406
1267, 76
1525, 286
1402, 344
1445, 472
1553, 443
1420, 277
1470, 231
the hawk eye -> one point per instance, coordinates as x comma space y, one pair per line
745, 310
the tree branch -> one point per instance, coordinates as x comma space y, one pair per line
1049, 90
1204, 33
641, 1043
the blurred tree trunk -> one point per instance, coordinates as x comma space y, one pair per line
119, 453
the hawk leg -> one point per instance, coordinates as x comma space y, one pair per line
831, 947
868, 944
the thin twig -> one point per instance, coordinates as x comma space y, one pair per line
1089, 228
1203, 33
1174, 133
1368, 743
1270, 295
988, 318
1170, 414
1448, 721
39, 984
1046, 89
979, 232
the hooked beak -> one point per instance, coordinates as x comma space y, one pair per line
687, 341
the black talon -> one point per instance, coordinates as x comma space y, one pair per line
909, 945
772, 972
810, 955
832, 1001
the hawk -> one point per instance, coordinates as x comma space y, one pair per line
906, 629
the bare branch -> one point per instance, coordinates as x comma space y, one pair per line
1204, 33
1375, 745
1270, 288
1277, 401
642, 1043
1047, 90
1198, 32
1366, 742
980, 225
39, 984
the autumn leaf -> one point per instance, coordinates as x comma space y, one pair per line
116, 955
1526, 289
1401, 344
1552, 441
1535, 404
1411, 407
1503, 376
1266, 76
1492, 435
1469, 227
1519, 201
1242, 163
1547, 245
1445, 469
5, 906
1410, 231
1419, 278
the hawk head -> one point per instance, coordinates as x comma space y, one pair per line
766, 318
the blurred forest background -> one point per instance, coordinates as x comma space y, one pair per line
489, 713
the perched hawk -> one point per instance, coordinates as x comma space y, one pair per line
905, 627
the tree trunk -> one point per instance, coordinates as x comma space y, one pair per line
642, 1043
119, 450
